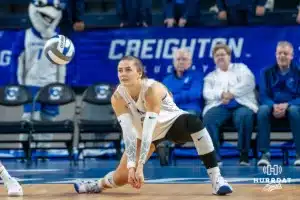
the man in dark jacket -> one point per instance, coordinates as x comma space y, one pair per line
72, 19
280, 98
238, 12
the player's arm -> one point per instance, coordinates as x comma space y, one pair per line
153, 99
129, 133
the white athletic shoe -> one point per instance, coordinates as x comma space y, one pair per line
90, 186
220, 186
14, 188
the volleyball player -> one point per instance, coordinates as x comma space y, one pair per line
148, 115
11, 184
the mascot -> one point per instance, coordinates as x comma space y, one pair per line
33, 69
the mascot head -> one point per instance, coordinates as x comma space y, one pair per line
45, 16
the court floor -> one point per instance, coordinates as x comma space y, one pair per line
154, 191
187, 180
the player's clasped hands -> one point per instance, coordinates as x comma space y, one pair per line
136, 177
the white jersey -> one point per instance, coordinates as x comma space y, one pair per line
169, 111
34, 68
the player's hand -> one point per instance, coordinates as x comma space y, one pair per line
131, 177
139, 175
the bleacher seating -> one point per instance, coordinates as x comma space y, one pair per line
55, 94
102, 14
12, 96
97, 122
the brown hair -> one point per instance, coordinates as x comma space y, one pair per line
137, 62
222, 46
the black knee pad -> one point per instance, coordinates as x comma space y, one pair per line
194, 124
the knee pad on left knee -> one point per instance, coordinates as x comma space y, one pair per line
194, 124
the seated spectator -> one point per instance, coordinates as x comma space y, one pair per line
184, 83
180, 12
280, 98
133, 13
238, 12
72, 18
298, 15
229, 93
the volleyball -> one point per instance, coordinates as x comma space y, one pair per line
59, 50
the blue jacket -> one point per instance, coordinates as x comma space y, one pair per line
239, 4
274, 88
187, 90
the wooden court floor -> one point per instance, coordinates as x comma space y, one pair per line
155, 192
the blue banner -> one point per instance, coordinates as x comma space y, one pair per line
6, 40
98, 51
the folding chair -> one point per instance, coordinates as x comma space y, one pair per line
11, 97
55, 94
97, 122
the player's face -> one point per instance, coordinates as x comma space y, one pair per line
128, 73
222, 59
284, 55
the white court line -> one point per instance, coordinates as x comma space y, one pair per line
35, 170
26, 179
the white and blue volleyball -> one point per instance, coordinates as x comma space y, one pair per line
59, 50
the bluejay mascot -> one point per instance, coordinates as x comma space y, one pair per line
28, 60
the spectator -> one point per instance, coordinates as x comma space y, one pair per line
229, 92
180, 12
238, 12
280, 98
184, 83
72, 19
133, 13
298, 15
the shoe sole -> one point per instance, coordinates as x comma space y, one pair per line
223, 190
76, 187
15, 194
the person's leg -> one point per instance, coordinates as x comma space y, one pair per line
264, 129
237, 17
293, 114
28, 108
243, 119
146, 12
213, 120
12, 185
188, 127
132, 12
113, 179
